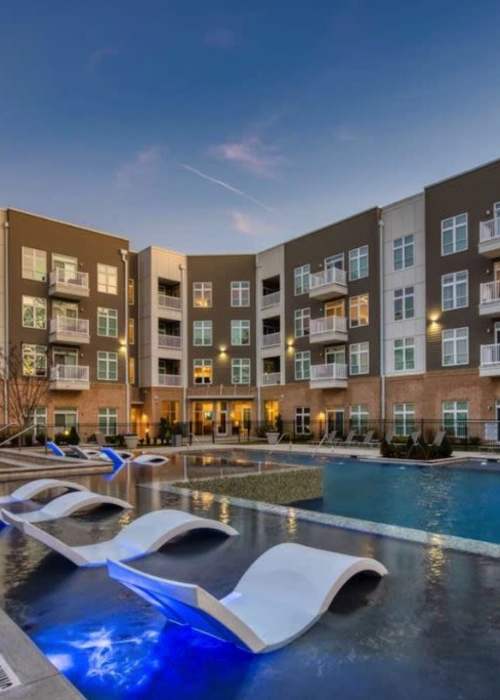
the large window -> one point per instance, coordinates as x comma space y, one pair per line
131, 291
34, 312
39, 418
34, 264
358, 263
359, 417
240, 332
455, 347
301, 279
301, 321
359, 311
240, 370
107, 366
108, 421
65, 418
131, 331
202, 295
240, 293
107, 279
404, 418
455, 290
455, 417
359, 358
302, 365
131, 370
107, 322
404, 303
202, 333
404, 354
34, 360
404, 252
202, 371
303, 420
454, 235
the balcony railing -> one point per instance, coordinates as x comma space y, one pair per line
270, 299
489, 292
271, 340
66, 276
166, 301
271, 378
329, 371
333, 275
328, 325
490, 355
169, 379
489, 230
69, 326
169, 341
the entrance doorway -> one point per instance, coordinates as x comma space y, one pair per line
335, 420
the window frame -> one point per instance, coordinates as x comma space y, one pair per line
302, 420
356, 256
238, 331
359, 350
240, 366
402, 298
42, 306
107, 420
454, 340
359, 417
239, 292
108, 273
402, 245
109, 315
301, 279
203, 291
454, 284
355, 304
38, 351
402, 346
457, 423
205, 329
35, 252
203, 363
110, 360
453, 228
302, 321
405, 417
302, 365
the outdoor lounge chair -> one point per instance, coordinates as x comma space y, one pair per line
368, 439
66, 505
153, 460
143, 536
280, 596
119, 459
438, 438
348, 441
33, 488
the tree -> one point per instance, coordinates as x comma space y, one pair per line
23, 383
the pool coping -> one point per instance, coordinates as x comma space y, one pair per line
432, 539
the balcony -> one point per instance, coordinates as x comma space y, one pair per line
328, 284
165, 301
169, 380
328, 376
270, 378
172, 342
328, 329
269, 300
489, 238
490, 361
68, 284
69, 378
69, 331
489, 299
271, 340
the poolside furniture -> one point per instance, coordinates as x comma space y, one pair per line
66, 505
55, 449
119, 458
280, 596
368, 440
415, 437
153, 460
438, 438
143, 536
349, 439
33, 488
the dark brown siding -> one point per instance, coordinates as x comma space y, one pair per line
133, 310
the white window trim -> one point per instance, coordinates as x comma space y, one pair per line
406, 345
454, 251
104, 312
357, 258
454, 340
110, 272
357, 306
43, 305
302, 314
237, 365
302, 359
205, 326
403, 298
111, 360
240, 292
203, 362
236, 325
447, 274
32, 254
352, 352
305, 272
403, 247
205, 289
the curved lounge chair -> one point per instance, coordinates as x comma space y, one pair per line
65, 505
283, 593
28, 491
154, 460
143, 536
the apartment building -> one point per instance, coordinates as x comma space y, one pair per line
392, 313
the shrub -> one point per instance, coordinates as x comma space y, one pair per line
279, 424
445, 449
387, 449
73, 437
164, 431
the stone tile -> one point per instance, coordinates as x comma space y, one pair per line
51, 688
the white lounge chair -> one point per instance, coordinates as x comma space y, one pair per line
283, 593
145, 535
65, 505
153, 460
33, 488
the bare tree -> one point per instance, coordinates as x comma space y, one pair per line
23, 383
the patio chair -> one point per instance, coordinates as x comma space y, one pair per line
36, 487
415, 436
438, 438
348, 441
368, 440
280, 596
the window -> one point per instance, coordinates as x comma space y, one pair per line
131, 370
107, 279
34, 312
202, 295
240, 332
65, 418
202, 371
455, 417
335, 261
404, 354
66, 309
358, 311
358, 263
359, 418
455, 290
404, 252
454, 234
335, 355
301, 279
301, 322
131, 292
240, 293
302, 365
34, 264
107, 419
107, 322
359, 358
455, 347
404, 303
303, 420
34, 360
202, 332
240, 370
39, 418
404, 418
131, 331
107, 366
170, 411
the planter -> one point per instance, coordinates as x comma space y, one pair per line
131, 441
272, 438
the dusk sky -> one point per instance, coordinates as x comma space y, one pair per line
230, 126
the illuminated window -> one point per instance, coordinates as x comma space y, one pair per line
131, 331
131, 292
34, 360
34, 312
358, 311
131, 370
202, 295
107, 279
202, 371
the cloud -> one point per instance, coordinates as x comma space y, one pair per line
100, 55
225, 185
250, 154
220, 38
248, 225
141, 166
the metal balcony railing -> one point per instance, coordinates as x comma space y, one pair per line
328, 324
169, 379
271, 340
328, 371
67, 276
489, 230
70, 373
271, 378
169, 302
69, 326
169, 341
270, 299
489, 291
490, 355
332, 275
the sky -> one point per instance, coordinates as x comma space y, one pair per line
232, 126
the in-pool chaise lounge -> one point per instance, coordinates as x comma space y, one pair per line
283, 593
143, 536
66, 505
118, 459
33, 488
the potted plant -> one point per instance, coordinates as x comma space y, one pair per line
273, 435
164, 431
177, 435
131, 440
